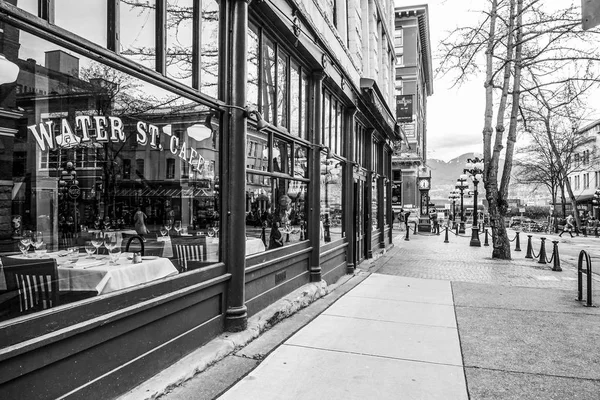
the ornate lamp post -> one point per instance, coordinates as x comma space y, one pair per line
454, 195
461, 185
474, 168
596, 204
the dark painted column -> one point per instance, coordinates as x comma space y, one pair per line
236, 316
390, 210
369, 188
350, 212
314, 211
381, 207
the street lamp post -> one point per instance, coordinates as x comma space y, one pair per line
596, 204
474, 168
453, 197
461, 185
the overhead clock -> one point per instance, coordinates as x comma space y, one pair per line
423, 184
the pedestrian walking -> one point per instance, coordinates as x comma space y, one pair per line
568, 226
139, 219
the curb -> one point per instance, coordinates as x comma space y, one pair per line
227, 343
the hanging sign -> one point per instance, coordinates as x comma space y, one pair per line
404, 108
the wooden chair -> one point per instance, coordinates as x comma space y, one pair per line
34, 281
190, 253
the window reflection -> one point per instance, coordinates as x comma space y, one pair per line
281, 156
275, 212
295, 103
88, 150
253, 63
209, 49
331, 228
374, 203
282, 100
138, 31
180, 15
268, 79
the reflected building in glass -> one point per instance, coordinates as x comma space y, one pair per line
243, 150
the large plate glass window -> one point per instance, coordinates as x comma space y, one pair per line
85, 150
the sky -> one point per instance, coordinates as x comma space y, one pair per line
454, 115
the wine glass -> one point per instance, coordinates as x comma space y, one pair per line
177, 226
24, 247
37, 241
90, 248
97, 240
110, 240
216, 229
73, 254
168, 226
114, 254
164, 231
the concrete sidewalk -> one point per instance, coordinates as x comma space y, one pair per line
387, 336
427, 320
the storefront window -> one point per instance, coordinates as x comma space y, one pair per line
209, 48
305, 106
374, 204
276, 213
180, 19
282, 90
253, 66
138, 32
295, 103
269, 82
68, 143
331, 199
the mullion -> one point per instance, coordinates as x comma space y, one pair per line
196, 44
113, 25
161, 36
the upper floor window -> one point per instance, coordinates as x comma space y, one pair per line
277, 83
170, 168
156, 34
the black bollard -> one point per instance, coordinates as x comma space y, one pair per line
446, 238
486, 243
542, 259
529, 248
415, 230
407, 233
596, 231
456, 230
518, 244
584, 230
555, 256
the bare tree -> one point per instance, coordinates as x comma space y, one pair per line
518, 39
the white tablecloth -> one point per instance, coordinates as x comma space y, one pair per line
100, 276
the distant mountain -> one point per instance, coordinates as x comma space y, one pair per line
444, 175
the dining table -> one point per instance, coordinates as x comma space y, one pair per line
100, 275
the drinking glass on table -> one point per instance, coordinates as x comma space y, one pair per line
114, 254
73, 254
110, 241
164, 231
90, 248
24, 247
97, 240
177, 226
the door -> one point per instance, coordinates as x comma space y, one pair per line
359, 211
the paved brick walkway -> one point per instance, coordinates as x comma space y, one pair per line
427, 256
